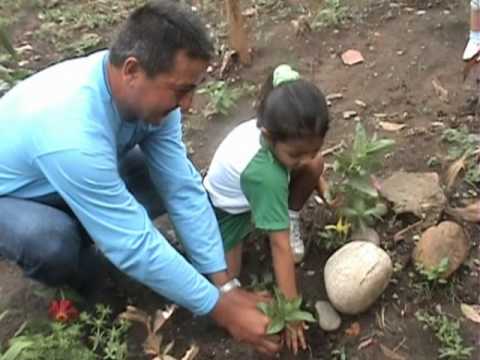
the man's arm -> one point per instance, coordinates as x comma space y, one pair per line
184, 197
119, 225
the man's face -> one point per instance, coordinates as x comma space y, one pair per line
151, 99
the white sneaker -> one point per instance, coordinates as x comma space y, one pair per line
296, 241
472, 49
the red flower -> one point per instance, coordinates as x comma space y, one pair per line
62, 310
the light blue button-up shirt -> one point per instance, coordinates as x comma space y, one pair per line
60, 131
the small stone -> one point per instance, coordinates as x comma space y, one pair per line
349, 114
356, 275
360, 103
400, 52
446, 240
421, 12
310, 272
368, 234
334, 96
380, 115
328, 318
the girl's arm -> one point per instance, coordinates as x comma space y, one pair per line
283, 263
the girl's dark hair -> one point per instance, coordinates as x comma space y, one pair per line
292, 110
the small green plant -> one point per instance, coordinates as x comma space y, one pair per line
465, 147
66, 340
222, 97
334, 236
360, 204
106, 337
435, 274
282, 312
62, 341
429, 279
447, 331
332, 14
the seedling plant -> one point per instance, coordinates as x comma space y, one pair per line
283, 312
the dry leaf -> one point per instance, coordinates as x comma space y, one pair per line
441, 92
352, 57
366, 343
249, 12
353, 330
470, 213
153, 344
390, 354
471, 312
191, 353
161, 316
389, 126
135, 314
454, 170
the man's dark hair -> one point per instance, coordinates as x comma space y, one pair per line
155, 32
292, 110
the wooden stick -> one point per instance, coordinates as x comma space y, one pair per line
399, 235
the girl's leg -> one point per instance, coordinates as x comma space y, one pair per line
234, 261
304, 181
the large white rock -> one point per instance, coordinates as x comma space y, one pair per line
356, 275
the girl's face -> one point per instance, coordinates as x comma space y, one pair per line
295, 152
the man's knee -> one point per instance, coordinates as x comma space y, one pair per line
44, 241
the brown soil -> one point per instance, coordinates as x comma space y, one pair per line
404, 52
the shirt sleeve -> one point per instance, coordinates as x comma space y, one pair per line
265, 185
183, 195
120, 226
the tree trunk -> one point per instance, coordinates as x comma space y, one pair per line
237, 32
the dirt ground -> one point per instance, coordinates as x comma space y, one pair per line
406, 45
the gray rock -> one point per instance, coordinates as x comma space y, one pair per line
356, 275
417, 193
328, 318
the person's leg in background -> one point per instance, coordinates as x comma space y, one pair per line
45, 242
473, 45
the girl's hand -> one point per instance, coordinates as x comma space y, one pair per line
294, 336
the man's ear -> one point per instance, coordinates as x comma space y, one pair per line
131, 69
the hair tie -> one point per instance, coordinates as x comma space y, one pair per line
283, 74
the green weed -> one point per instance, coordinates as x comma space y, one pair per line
464, 144
447, 331
222, 97
333, 13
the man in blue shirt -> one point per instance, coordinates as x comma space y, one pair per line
64, 138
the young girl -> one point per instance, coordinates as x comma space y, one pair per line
264, 171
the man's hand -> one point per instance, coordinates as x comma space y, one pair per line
237, 312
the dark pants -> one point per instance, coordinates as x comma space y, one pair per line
44, 237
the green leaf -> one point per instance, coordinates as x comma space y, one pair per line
18, 345
275, 326
380, 146
265, 308
300, 316
364, 186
